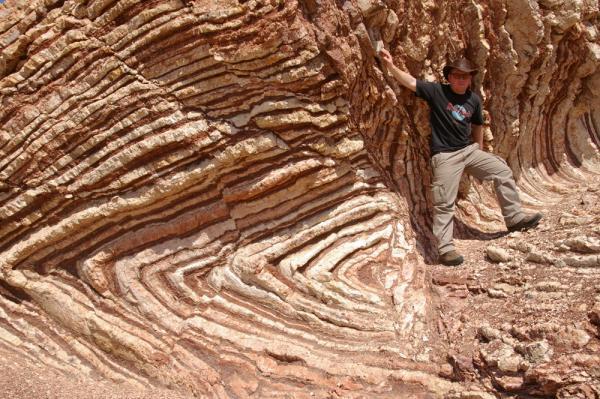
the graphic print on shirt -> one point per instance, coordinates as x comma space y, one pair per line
458, 112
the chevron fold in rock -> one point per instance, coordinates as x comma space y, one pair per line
198, 193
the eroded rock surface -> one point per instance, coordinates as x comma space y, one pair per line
230, 198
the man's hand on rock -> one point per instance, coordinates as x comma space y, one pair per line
386, 56
404, 78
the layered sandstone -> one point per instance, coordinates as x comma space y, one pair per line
231, 197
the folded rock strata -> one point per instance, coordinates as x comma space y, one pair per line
232, 196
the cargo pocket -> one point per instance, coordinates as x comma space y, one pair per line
438, 194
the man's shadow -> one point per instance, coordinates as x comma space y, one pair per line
462, 231
465, 232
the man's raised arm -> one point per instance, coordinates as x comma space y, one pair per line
404, 78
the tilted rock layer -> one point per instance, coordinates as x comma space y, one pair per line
231, 197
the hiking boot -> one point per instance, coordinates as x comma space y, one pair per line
530, 221
451, 258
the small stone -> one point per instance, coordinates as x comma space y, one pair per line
513, 265
571, 337
444, 279
489, 333
516, 280
522, 246
493, 293
529, 295
594, 314
572, 220
475, 395
446, 371
536, 352
496, 254
560, 263
583, 261
540, 257
509, 383
502, 290
549, 286
462, 367
423, 358
582, 244
501, 356
475, 288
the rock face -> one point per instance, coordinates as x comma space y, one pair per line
231, 197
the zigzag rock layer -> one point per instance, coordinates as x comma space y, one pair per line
231, 198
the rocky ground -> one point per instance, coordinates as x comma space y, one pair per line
522, 314
233, 195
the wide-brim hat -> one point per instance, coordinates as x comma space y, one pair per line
462, 64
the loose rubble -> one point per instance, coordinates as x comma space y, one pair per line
533, 307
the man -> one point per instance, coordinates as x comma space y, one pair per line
456, 146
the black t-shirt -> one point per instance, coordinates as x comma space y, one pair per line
451, 115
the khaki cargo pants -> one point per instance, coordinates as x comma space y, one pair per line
448, 167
